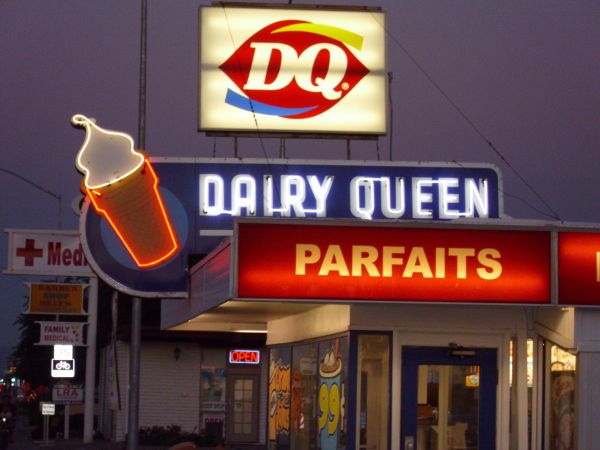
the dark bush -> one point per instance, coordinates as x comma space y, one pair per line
170, 435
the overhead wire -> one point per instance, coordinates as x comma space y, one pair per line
251, 102
553, 214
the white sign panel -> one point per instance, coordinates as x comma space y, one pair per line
48, 409
53, 333
66, 394
46, 252
292, 70
63, 368
63, 351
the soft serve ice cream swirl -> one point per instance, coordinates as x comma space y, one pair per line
105, 156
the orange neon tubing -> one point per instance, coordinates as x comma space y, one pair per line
156, 262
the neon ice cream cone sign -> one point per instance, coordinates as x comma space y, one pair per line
123, 187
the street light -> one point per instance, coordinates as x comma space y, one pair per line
40, 188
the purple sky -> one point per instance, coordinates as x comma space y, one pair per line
526, 73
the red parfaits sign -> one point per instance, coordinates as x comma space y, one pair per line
357, 263
296, 70
579, 268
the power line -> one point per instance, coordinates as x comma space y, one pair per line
472, 124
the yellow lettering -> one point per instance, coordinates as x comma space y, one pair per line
333, 261
306, 254
364, 256
488, 257
390, 260
461, 260
440, 262
417, 263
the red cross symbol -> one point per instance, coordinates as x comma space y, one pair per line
29, 252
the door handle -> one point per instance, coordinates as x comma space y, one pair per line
409, 443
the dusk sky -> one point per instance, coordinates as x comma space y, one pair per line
525, 74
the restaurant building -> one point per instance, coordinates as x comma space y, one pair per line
412, 336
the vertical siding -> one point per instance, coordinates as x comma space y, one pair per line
170, 389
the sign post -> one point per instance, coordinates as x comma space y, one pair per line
48, 409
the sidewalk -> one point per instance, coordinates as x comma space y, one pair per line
23, 441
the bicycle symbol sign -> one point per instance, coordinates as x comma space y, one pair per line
63, 368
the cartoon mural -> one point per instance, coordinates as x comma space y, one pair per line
279, 396
331, 395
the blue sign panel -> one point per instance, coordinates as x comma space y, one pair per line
203, 196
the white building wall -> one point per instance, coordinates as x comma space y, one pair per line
169, 388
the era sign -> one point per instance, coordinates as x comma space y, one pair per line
67, 394
292, 70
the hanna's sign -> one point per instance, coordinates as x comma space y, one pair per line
292, 70
56, 298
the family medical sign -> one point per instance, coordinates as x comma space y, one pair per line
292, 70
203, 196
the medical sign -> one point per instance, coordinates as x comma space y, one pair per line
52, 333
63, 368
56, 298
46, 252
244, 357
203, 196
292, 70
385, 263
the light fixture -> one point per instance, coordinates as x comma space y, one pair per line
177, 353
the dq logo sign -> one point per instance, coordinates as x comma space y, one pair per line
294, 69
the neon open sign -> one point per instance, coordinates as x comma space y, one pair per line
244, 357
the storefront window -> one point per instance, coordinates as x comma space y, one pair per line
373, 391
303, 411
308, 389
562, 399
279, 397
331, 407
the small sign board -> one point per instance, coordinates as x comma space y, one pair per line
67, 394
63, 351
244, 357
63, 368
53, 333
56, 298
46, 252
48, 409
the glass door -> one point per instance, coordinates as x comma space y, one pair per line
242, 408
448, 398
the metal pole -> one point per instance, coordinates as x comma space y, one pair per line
134, 374
136, 302
67, 420
90, 362
46, 430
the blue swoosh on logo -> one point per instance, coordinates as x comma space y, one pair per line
239, 101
